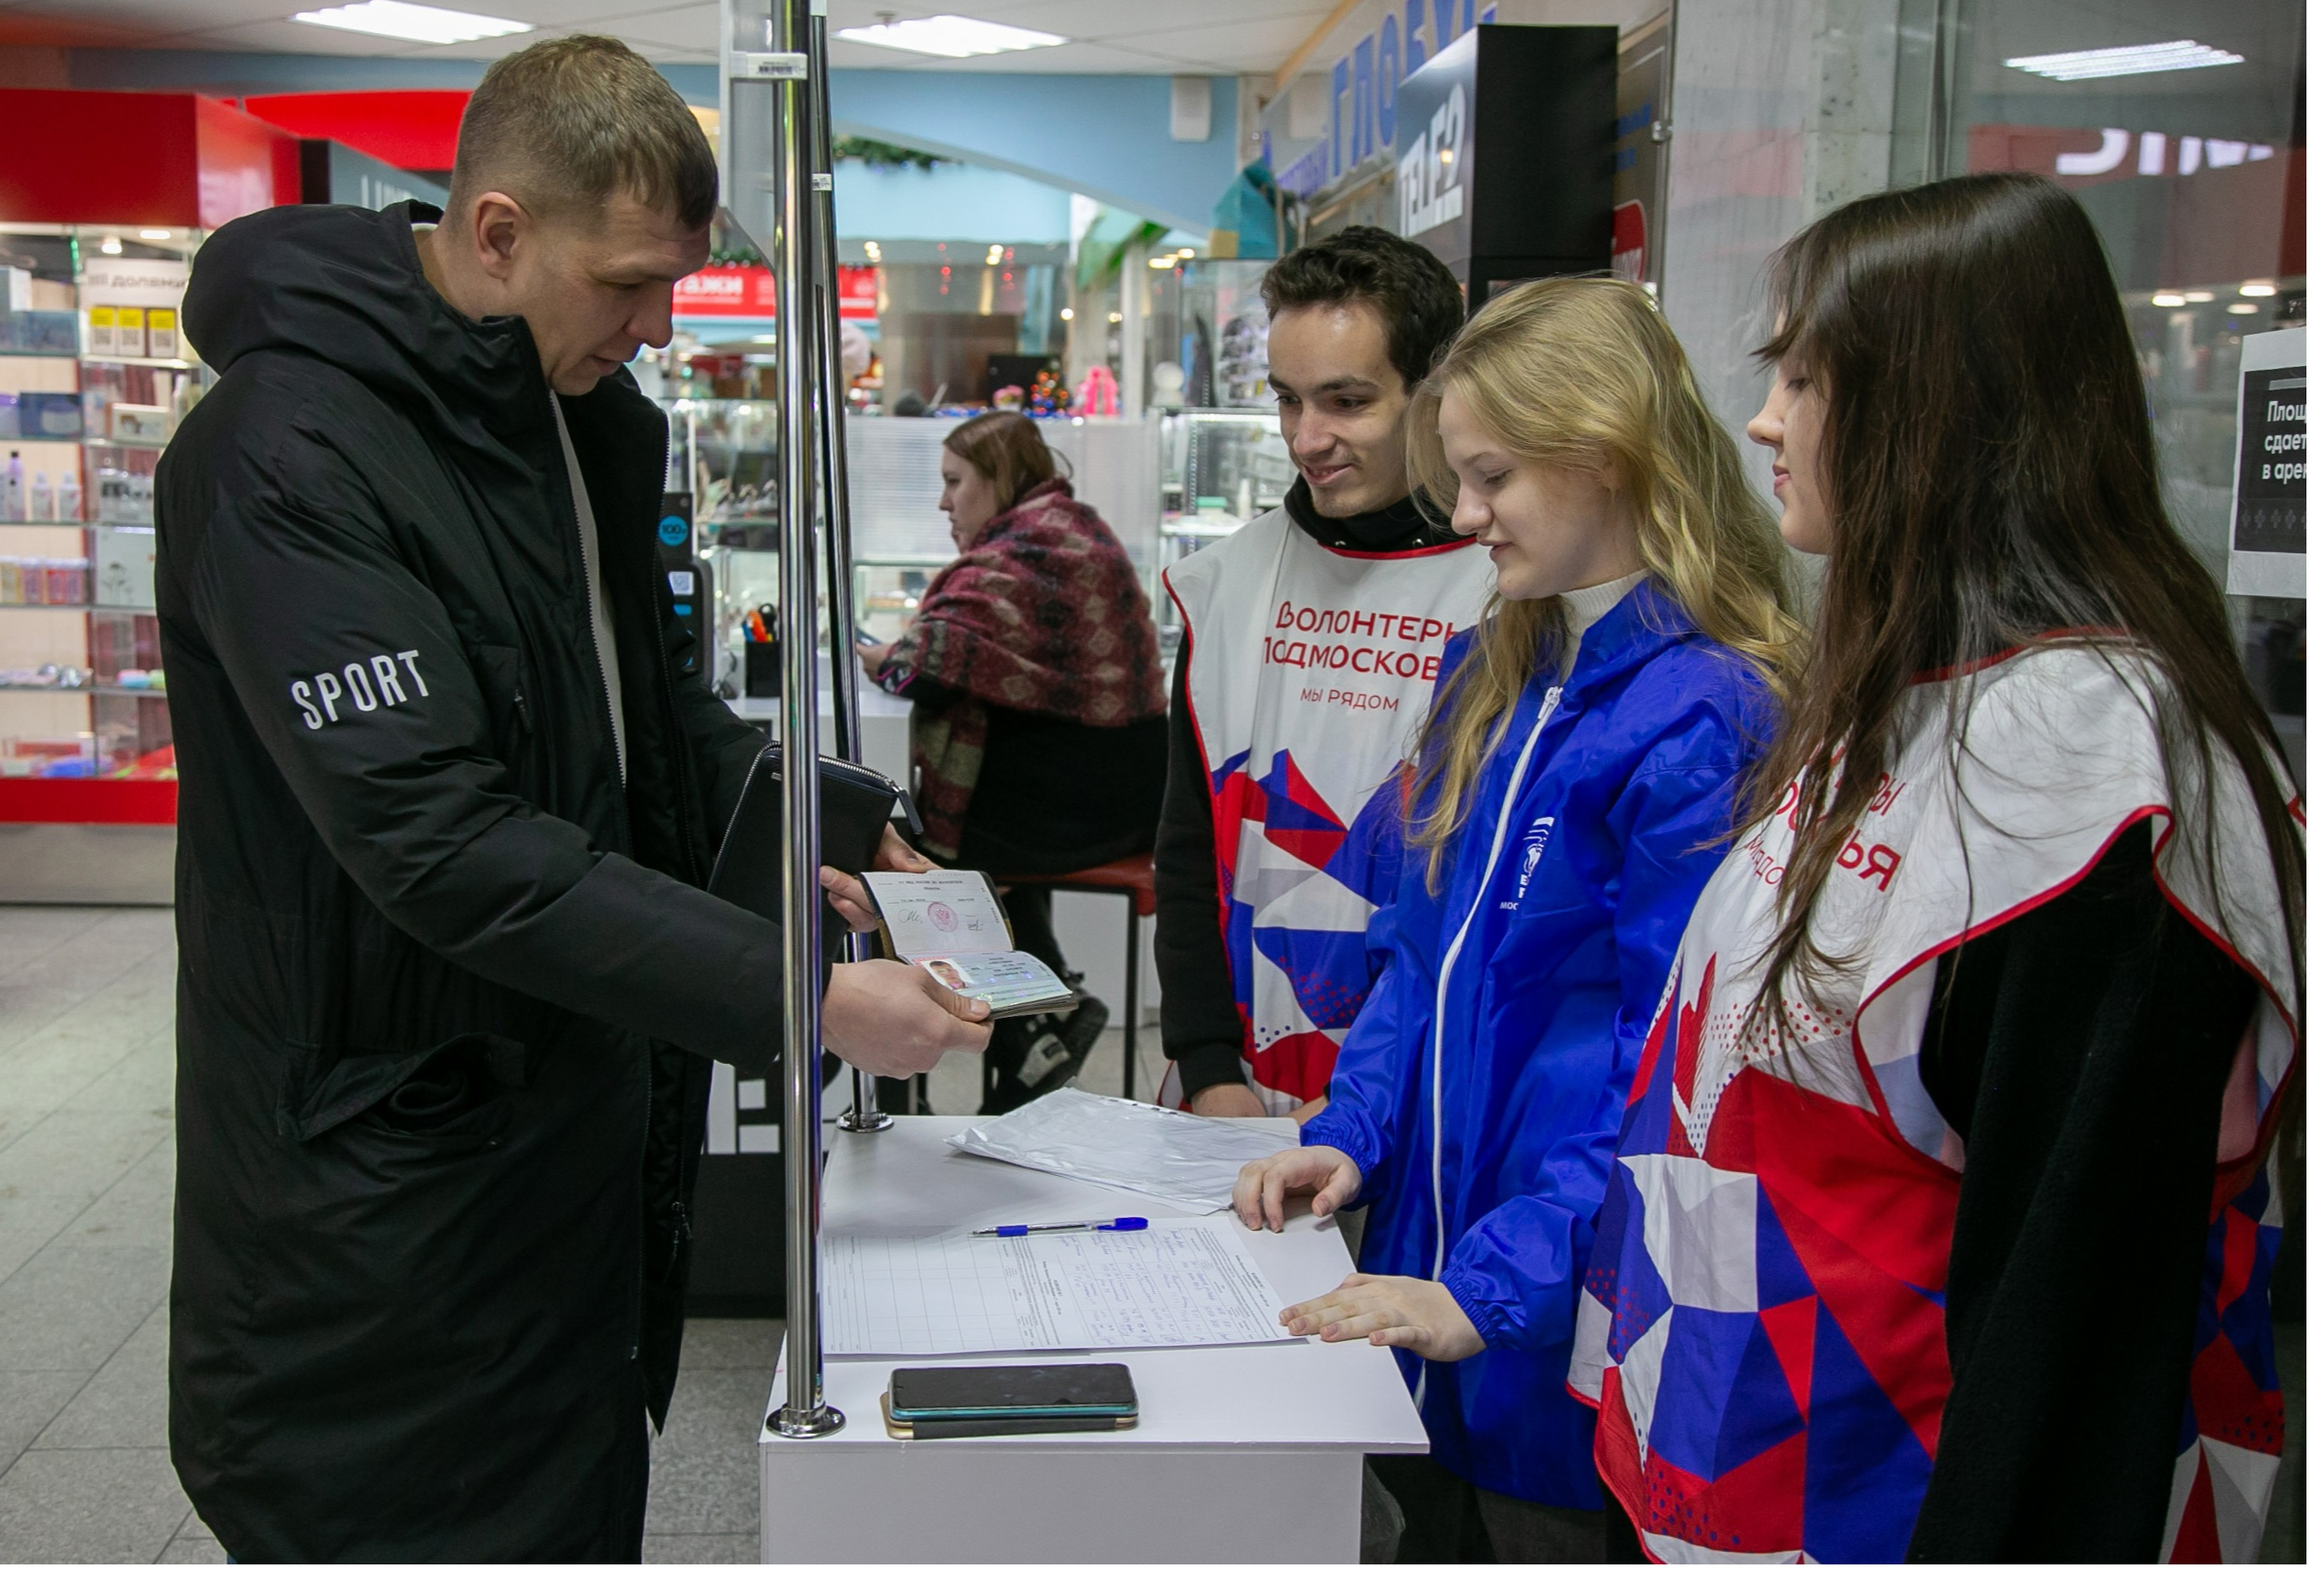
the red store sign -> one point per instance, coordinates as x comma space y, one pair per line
725, 291
858, 291
747, 291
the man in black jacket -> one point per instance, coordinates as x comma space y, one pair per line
447, 979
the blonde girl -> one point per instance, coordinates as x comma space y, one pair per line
1575, 783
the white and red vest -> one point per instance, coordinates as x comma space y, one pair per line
1763, 1319
1308, 673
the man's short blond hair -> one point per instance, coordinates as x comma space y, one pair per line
564, 125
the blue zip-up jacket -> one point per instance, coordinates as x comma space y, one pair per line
1481, 1088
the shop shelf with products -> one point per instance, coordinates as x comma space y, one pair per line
1218, 470
723, 480
85, 412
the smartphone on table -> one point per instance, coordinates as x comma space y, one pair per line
1030, 1399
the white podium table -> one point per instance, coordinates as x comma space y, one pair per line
1241, 1452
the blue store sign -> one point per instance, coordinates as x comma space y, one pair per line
1365, 83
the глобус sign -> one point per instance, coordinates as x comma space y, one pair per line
2268, 547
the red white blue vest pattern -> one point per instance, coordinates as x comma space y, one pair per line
1763, 1323
1308, 673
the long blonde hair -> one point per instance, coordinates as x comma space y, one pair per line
1584, 373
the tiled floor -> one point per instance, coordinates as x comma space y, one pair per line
87, 1159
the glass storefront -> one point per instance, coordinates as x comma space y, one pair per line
956, 321
2195, 176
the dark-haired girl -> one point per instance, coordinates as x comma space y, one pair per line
1938, 1226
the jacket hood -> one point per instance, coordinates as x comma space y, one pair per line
344, 285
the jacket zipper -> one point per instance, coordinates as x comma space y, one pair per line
1436, 1080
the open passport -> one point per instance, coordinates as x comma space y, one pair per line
950, 924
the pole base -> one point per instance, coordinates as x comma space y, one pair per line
862, 1121
806, 1423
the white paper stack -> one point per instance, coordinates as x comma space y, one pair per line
1191, 1161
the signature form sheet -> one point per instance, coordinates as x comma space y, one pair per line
1177, 1283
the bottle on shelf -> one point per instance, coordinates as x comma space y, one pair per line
44, 498
12, 489
64, 581
68, 495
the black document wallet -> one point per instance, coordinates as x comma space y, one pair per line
856, 805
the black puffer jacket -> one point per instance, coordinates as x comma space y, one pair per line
444, 987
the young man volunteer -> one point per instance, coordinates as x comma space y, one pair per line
1312, 641
447, 980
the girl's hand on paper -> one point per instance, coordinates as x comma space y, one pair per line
891, 1019
872, 657
1390, 1310
849, 897
1260, 1190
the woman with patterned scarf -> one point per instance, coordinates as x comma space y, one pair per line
1039, 734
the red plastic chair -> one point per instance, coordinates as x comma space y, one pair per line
1132, 879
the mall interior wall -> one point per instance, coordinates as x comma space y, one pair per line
952, 202
1107, 137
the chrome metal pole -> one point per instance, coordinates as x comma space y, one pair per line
805, 1413
863, 1113
838, 538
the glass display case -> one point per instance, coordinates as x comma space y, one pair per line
724, 470
1218, 470
1206, 335
1220, 457
726, 460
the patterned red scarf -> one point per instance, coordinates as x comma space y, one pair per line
1043, 613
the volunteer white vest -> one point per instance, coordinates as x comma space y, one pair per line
1807, 1193
1308, 672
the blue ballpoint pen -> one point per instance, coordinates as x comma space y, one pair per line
1128, 1221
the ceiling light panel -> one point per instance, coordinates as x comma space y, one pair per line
954, 37
2128, 60
417, 24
